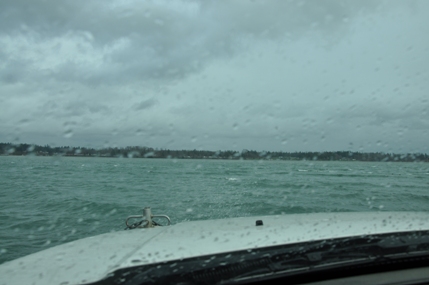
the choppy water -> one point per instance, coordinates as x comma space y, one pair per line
46, 201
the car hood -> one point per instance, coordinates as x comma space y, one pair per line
93, 258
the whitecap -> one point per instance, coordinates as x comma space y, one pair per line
232, 179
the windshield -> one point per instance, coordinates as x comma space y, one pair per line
207, 110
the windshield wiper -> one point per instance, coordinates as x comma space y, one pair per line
371, 253
367, 254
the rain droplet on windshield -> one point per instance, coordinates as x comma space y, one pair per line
68, 133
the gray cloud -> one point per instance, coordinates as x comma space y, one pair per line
146, 104
145, 39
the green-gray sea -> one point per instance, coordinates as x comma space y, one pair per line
46, 201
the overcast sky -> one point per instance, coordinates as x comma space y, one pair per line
264, 75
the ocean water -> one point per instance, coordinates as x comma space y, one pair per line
46, 201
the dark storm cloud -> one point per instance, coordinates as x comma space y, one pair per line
154, 40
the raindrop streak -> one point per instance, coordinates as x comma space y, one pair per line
139, 132
68, 133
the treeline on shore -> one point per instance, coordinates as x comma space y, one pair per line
148, 152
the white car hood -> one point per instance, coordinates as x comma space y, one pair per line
91, 259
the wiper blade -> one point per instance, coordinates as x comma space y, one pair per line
336, 253
282, 260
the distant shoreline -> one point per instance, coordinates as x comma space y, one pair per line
8, 149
